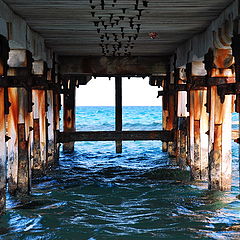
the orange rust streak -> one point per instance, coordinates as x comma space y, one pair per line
223, 58
170, 121
42, 112
13, 110
228, 73
1, 68
68, 119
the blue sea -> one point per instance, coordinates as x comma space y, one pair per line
96, 194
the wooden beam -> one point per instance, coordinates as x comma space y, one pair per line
112, 66
118, 111
166, 136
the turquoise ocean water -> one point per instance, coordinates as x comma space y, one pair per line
96, 194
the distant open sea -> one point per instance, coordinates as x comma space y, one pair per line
96, 194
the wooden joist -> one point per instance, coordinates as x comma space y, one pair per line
165, 136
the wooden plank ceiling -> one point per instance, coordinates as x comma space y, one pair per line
117, 27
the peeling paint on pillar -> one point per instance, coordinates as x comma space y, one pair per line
191, 131
57, 107
2, 153
23, 179
220, 159
196, 167
226, 145
69, 117
23, 161
164, 125
170, 124
50, 120
204, 136
13, 142
42, 126
37, 166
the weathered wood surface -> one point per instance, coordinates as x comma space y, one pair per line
164, 124
118, 111
18, 150
170, 124
175, 20
104, 66
50, 129
190, 135
69, 117
2, 153
13, 142
41, 96
37, 164
220, 160
165, 136
204, 136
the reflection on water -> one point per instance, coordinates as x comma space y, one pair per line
96, 194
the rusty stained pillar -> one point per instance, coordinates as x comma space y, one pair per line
118, 111
50, 127
39, 132
181, 132
199, 166
2, 152
18, 154
198, 121
220, 159
19, 121
69, 113
165, 111
218, 65
53, 76
172, 98
57, 108
4, 54
39, 118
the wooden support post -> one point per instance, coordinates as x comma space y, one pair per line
181, 151
203, 135
190, 156
4, 50
2, 153
219, 64
196, 167
220, 160
170, 124
13, 141
69, 114
164, 125
165, 113
118, 111
50, 129
199, 161
39, 152
57, 108
198, 123
18, 154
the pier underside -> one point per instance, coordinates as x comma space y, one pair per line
191, 49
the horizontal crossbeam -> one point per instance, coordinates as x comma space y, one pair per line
165, 136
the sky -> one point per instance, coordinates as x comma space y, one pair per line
101, 92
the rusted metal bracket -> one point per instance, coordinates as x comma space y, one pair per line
156, 80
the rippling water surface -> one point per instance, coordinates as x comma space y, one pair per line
97, 194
